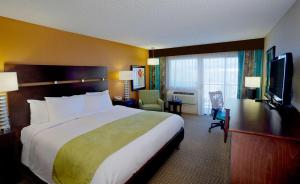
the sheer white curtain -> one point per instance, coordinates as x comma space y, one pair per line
182, 73
220, 73
203, 73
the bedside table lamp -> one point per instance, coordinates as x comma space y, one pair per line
252, 83
8, 82
126, 76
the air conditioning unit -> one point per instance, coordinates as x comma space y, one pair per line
189, 100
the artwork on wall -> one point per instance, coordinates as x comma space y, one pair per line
271, 53
270, 56
139, 77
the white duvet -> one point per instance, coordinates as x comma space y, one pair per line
41, 142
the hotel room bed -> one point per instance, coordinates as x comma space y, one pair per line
42, 142
134, 162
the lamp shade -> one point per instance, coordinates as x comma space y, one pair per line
153, 61
125, 75
252, 82
8, 81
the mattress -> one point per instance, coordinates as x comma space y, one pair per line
41, 143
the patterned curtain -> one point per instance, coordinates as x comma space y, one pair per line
163, 77
241, 60
154, 77
250, 64
151, 76
258, 58
158, 77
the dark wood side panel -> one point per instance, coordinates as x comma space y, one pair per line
19, 108
210, 48
226, 124
264, 160
45, 73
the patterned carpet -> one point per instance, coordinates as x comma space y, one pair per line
203, 157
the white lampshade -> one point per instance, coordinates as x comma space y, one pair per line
252, 82
125, 75
8, 81
153, 61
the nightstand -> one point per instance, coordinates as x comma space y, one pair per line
128, 103
8, 158
173, 106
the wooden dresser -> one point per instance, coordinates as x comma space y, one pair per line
265, 143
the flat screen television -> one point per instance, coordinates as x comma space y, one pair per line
280, 81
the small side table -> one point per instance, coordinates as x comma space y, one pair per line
173, 106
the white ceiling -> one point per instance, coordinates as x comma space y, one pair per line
154, 23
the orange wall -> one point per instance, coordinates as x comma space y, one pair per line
26, 43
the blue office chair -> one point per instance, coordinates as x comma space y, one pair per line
217, 110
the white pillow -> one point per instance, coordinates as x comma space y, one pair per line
65, 108
38, 111
97, 102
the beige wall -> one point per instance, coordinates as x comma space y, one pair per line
26, 43
286, 37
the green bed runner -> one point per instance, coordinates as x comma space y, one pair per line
78, 160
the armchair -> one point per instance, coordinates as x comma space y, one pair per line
150, 100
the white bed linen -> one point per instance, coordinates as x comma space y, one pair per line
41, 142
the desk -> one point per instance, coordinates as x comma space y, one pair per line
265, 143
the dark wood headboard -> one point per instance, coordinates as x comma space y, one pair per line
39, 81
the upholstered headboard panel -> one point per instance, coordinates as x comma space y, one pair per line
39, 81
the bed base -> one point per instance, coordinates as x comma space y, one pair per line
143, 175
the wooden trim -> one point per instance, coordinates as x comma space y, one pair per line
59, 82
210, 48
263, 134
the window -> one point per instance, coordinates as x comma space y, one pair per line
204, 73
220, 73
182, 73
